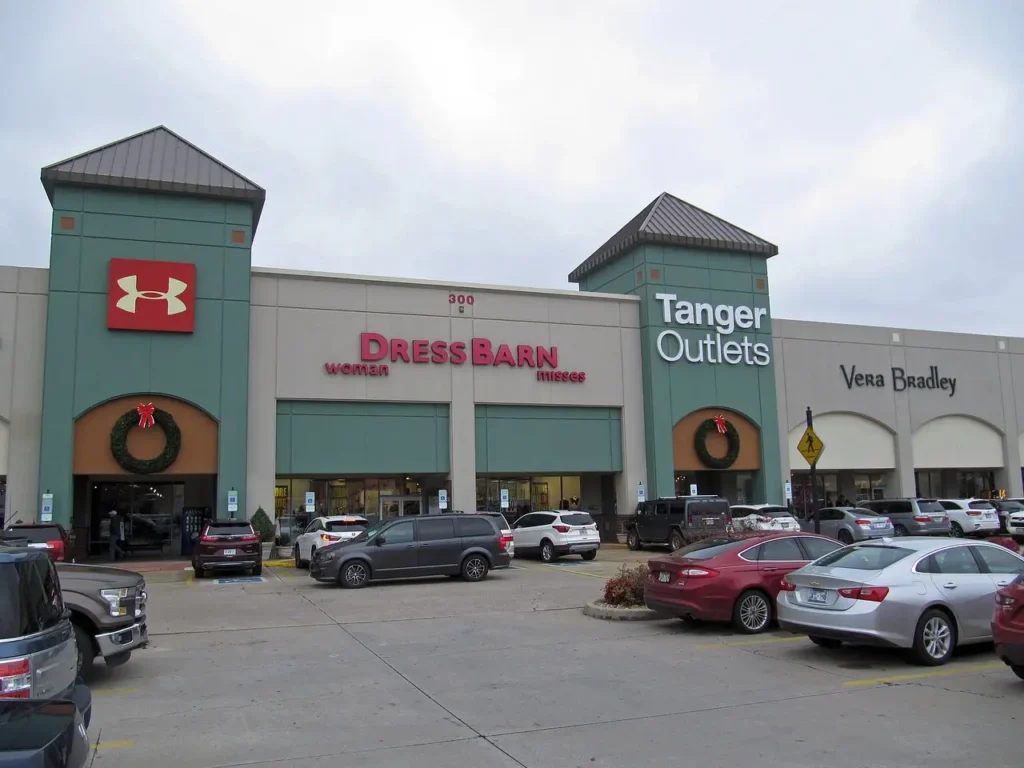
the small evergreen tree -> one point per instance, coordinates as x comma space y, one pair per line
263, 525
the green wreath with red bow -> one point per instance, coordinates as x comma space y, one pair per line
700, 442
145, 416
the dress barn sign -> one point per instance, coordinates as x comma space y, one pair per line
377, 353
724, 319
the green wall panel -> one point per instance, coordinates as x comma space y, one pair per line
362, 438
86, 364
539, 439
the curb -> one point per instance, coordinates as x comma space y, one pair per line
279, 563
598, 609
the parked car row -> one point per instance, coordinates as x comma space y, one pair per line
928, 595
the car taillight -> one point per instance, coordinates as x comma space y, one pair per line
945, 518
863, 522
787, 586
561, 528
872, 594
505, 541
15, 679
973, 512
697, 573
57, 548
1004, 599
325, 537
205, 540
250, 539
764, 519
922, 519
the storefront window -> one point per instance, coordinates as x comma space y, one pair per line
869, 487
827, 491
526, 494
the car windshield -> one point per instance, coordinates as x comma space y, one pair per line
708, 548
35, 534
930, 506
345, 525
864, 558
229, 529
1011, 506
577, 518
866, 511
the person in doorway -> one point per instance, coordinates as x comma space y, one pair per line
116, 535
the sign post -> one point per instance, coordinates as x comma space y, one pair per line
442, 499
504, 498
232, 502
310, 501
811, 448
641, 494
46, 514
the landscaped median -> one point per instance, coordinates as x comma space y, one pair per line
623, 597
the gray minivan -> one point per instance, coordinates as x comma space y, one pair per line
38, 654
408, 547
912, 517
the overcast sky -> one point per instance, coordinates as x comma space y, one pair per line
878, 144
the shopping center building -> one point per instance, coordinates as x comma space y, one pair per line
153, 370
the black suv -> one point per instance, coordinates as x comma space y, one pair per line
666, 521
428, 545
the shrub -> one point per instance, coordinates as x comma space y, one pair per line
263, 525
1005, 541
627, 587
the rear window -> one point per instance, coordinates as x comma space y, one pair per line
36, 534
708, 548
980, 505
230, 529
773, 512
930, 506
864, 558
346, 525
578, 518
30, 600
707, 512
475, 526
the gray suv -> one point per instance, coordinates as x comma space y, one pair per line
427, 545
912, 517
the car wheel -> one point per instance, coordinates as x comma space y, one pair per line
354, 574
825, 642
474, 568
589, 555
199, 571
1018, 670
845, 537
257, 570
86, 655
955, 530
900, 530
752, 612
675, 541
935, 638
633, 540
547, 551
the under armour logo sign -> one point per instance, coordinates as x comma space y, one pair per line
129, 284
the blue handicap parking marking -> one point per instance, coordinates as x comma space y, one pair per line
242, 580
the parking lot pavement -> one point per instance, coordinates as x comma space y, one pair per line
293, 674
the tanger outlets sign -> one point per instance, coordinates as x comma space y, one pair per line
901, 380
725, 319
377, 352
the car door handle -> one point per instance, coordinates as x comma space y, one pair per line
769, 569
410, 546
949, 585
1002, 583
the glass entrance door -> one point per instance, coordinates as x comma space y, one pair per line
399, 506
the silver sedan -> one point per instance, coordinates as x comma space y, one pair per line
923, 593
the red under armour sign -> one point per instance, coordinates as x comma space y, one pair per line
151, 296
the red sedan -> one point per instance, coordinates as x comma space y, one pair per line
730, 578
1008, 626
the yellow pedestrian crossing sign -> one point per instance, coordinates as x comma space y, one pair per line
810, 446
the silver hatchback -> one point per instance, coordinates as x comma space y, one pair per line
923, 593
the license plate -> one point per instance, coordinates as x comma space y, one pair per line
664, 576
710, 520
816, 596
989, 516
936, 518
229, 552
878, 525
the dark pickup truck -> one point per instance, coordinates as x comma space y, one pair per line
108, 612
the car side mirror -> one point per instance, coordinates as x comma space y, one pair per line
379, 541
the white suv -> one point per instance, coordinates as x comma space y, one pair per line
556, 532
971, 517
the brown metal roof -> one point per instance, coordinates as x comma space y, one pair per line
157, 160
670, 220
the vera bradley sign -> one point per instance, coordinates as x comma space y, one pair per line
901, 380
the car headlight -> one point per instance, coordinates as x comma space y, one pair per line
114, 598
327, 554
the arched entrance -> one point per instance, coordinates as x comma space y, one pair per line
699, 461
162, 494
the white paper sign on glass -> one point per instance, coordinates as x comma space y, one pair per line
442, 499
310, 502
693, 489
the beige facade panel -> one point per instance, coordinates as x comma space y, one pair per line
851, 441
957, 442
